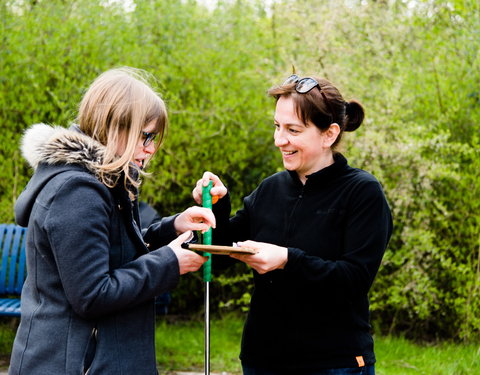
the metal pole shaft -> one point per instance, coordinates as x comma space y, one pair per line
207, 328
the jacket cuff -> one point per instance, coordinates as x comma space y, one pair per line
223, 207
171, 275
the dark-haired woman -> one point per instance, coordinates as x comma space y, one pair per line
321, 228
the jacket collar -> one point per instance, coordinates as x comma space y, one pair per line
325, 175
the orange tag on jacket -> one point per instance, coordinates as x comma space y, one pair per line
360, 361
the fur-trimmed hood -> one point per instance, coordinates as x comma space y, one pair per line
52, 150
58, 145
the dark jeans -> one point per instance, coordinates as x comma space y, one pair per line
366, 370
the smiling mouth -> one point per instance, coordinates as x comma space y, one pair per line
288, 153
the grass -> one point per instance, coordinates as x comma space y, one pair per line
398, 356
180, 347
8, 327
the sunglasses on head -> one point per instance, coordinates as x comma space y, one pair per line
306, 84
303, 85
148, 138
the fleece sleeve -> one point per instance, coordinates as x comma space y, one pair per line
232, 229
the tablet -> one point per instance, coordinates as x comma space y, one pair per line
221, 250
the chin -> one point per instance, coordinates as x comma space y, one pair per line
289, 167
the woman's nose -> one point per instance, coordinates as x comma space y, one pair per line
280, 138
150, 148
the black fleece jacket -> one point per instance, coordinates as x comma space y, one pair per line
314, 313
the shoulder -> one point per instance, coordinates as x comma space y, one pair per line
362, 183
365, 195
360, 176
76, 184
77, 197
73, 175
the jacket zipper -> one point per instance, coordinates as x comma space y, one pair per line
291, 224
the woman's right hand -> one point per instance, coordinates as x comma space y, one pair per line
188, 261
218, 189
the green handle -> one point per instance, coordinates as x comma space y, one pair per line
207, 236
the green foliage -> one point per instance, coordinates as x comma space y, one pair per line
429, 280
8, 327
230, 290
414, 66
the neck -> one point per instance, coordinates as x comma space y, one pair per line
322, 162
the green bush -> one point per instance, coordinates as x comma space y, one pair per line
414, 65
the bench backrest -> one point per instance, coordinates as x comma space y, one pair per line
12, 247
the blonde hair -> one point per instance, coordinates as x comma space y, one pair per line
116, 108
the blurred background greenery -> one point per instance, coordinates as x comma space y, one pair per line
414, 64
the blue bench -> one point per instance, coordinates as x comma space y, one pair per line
12, 271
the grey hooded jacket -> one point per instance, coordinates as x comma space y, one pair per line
88, 300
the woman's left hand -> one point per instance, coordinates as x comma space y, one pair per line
195, 218
269, 257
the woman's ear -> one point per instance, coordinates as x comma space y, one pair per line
330, 135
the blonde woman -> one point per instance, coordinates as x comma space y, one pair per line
88, 300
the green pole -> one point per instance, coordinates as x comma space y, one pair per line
207, 276
207, 236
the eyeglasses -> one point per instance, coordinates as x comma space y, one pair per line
148, 138
304, 85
